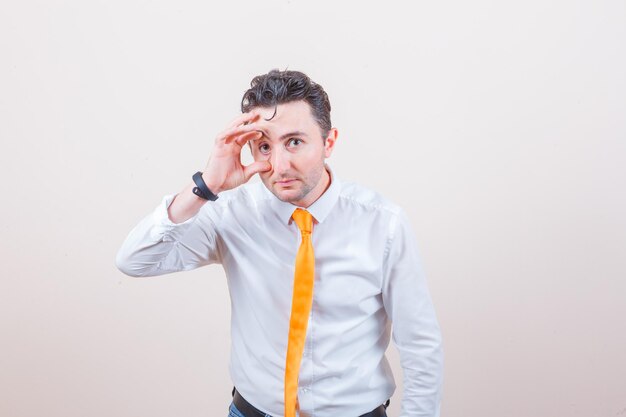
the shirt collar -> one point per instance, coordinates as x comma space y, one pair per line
319, 209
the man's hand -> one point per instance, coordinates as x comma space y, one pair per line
224, 169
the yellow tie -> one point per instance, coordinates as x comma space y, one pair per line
300, 309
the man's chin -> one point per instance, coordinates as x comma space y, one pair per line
287, 196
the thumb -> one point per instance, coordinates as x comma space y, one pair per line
253, 168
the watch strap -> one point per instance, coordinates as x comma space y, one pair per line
201, 189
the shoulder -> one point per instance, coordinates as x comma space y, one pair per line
353, 193
373, 208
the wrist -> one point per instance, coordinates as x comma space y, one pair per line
202, 189
211, 184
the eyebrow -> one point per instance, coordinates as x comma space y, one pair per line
283, 137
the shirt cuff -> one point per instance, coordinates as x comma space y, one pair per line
164, 229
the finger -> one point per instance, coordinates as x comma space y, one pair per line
243, 139
244, 118
255, 167
230, 134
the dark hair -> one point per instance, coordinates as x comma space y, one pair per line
278, 87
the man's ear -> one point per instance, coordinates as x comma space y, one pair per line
329, 143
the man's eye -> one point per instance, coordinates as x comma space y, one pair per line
295, 141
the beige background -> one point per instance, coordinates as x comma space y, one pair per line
499, 126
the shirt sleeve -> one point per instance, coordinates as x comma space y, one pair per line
157, 246
415, 330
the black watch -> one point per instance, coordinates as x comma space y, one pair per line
201, 190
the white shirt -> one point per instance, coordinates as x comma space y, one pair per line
368, 281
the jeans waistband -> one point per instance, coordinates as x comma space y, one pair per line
248, 410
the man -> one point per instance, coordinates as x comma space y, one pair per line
319, 270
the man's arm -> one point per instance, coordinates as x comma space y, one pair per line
186, 204
174, 237
158, 246
415, 329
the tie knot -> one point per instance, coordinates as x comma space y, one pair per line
304, 220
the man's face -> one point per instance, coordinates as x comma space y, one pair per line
293, 145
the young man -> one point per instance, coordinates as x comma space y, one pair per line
319, 270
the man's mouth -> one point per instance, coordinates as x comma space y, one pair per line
286, 182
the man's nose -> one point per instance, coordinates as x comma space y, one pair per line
280, 160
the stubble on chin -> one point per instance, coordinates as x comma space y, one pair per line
302, 193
